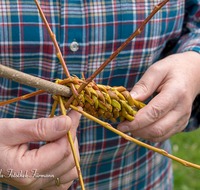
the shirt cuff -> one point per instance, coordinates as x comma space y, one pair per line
194, 121
189, 42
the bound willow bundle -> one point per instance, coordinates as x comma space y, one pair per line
104, 101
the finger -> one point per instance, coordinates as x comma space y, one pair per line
70, 176
66, 178
61, 187
19, 131
46, 157
149, 82
55, 159
157, 108
65, 170
42, 160
64, 151
175, 130
75, 118
65, 165
161, 127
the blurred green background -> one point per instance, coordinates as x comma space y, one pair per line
186, 145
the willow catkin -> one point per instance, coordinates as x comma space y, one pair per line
105, 102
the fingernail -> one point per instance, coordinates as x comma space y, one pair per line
133, 94
124, 128
79, 107
60, 124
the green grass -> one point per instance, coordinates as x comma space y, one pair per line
186, 145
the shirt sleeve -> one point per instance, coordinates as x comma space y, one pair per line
190, 41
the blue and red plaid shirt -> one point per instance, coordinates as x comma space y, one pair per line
99, 27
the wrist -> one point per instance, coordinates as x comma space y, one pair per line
194, 64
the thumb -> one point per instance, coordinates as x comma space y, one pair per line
148, 84
19, 131
75, 118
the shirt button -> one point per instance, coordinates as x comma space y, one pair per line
74, 46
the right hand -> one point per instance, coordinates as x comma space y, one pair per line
53, 159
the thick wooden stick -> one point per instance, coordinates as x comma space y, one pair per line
114, 54
68, 80
29, 80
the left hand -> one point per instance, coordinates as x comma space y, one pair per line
22, 168
177, 80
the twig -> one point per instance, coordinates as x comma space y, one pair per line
127, 137
114, 54
22, 97
72, 146
58, 52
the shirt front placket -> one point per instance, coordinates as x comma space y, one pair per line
73, 42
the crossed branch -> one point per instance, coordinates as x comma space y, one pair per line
59, 90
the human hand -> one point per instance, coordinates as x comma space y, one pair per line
177, 80
54, 159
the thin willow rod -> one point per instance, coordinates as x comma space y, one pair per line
34, 93
115, 53
63, 111
21, 97
127, 137
53, 108
59, 54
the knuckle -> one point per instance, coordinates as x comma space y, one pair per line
75, 173
67, 152
155, 68
25, 183
188, 108
157, 132
76, 176
137, 123
184, 125
154, 113
155, 140
40, 128
68, 122
188, 113
142, 85
183, 92
77, 148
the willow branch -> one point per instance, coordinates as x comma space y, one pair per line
58, 52
133, 35
114, 54
72, 146
29, 80
21, 97
129, 138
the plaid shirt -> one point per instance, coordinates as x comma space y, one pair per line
99, 27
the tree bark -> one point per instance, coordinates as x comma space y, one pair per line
29, 80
